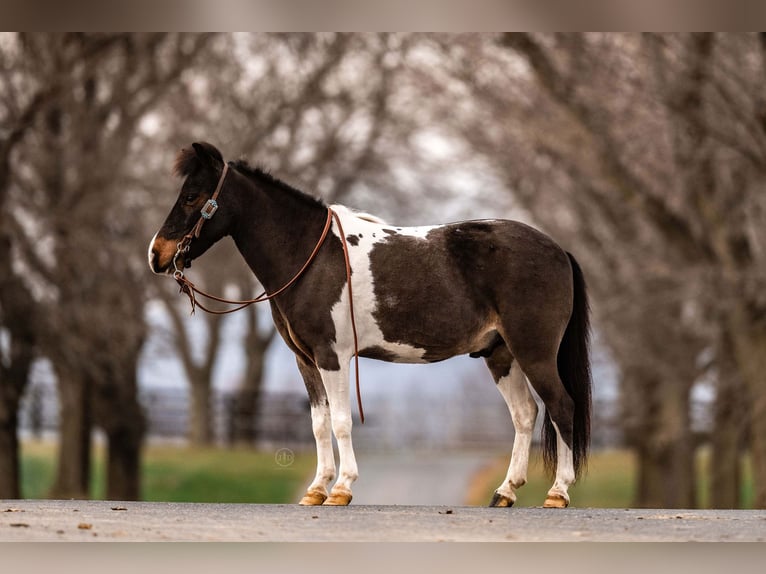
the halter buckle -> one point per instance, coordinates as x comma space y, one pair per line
209, 209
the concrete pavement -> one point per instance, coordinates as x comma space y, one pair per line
50, 520
416, 477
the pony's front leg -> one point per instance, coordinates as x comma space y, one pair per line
336, 386
317, 491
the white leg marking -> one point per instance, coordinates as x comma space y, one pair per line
521, 403
337, 387
320, 424
565, 475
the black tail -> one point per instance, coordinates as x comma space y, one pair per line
574, 371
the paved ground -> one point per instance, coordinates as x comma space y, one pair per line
416, 477
34, 520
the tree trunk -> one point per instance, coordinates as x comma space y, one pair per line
125, 434
749, 341
725, 457
248, 399
650, 483
17, 316
200, 420
665, 476
74, 456
118, 412
678, 446
758, 436
244, 413
729, 424
199, 431
9, 450
660, 435
13, 380
123, 465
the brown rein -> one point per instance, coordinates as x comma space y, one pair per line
192, 290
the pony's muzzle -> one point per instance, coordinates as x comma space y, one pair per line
160, 255
154, 262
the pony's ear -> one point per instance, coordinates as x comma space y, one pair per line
207, 153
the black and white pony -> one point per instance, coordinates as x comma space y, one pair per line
493, 288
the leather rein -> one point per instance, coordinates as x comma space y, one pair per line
191, 290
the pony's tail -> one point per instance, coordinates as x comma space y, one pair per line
574, 370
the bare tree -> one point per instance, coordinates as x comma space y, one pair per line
314, 108
644, 156
80, 252
27, 94
199, 358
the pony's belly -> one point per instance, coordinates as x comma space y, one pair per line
431, 352
394, 353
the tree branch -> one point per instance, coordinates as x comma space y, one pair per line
670, 224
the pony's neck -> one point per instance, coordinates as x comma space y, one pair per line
276, 230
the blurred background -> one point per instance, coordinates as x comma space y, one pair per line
644, 155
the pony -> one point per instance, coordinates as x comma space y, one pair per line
495, 289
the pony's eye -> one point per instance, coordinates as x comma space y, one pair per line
189, 198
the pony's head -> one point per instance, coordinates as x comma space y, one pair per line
201, 166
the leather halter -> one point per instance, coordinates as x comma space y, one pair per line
191, 290
207, 212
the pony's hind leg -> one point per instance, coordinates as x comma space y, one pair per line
514, 388
317, 491
545, 379
558, 495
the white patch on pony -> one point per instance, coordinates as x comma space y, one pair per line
365, 303
150, 255
361, 214
419, 232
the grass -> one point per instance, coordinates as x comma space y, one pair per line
608, 483
703, 462
185, 474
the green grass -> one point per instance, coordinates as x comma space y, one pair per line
609, 482
185, 474
703, 484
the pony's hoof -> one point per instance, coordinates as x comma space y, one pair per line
313, 498
338, 498
501, 501
556, 501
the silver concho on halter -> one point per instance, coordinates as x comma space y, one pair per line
209, 209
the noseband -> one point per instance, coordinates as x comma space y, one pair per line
187, 287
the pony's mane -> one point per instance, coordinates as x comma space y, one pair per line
187, 161
263, 176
